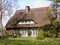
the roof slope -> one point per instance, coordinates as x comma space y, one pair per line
58, 0
38, 15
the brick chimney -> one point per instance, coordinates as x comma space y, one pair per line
27, 9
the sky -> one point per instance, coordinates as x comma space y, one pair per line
32, 3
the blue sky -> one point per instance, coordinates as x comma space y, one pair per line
33, 3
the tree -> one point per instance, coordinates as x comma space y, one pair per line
40, 34
53, 7
1, 27
7, 9
4, 5
51, 17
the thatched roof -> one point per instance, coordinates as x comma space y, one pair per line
38, 15
58, 0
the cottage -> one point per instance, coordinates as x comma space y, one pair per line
27, 21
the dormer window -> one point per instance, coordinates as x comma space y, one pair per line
26, 22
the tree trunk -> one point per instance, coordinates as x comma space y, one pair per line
1, 26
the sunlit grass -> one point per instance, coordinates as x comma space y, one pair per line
23, 38
29, 41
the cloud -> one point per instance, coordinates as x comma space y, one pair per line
41, 3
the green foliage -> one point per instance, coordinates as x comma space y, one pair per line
47, 34
48, 27
58, 35
6, 34
40, 34
29, 32
50, 30
53, 35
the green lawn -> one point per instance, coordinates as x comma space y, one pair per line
29, 41
23, 38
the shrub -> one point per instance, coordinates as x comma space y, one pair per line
40, 35
58, 35
6, 34
47, 34
53, 35
29, 33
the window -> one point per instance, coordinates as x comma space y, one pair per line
23, 33
34, 33
58, 5
58, 16
26, 22
58, 10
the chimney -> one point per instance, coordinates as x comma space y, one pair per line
27, 9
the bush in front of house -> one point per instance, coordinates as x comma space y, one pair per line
49, 34
29, 32
50, 30
53, 35
40, 34
6, 34
58, 35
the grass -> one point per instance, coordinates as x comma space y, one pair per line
29, 41
23, 38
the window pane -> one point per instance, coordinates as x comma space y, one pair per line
26, 22
34, 32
